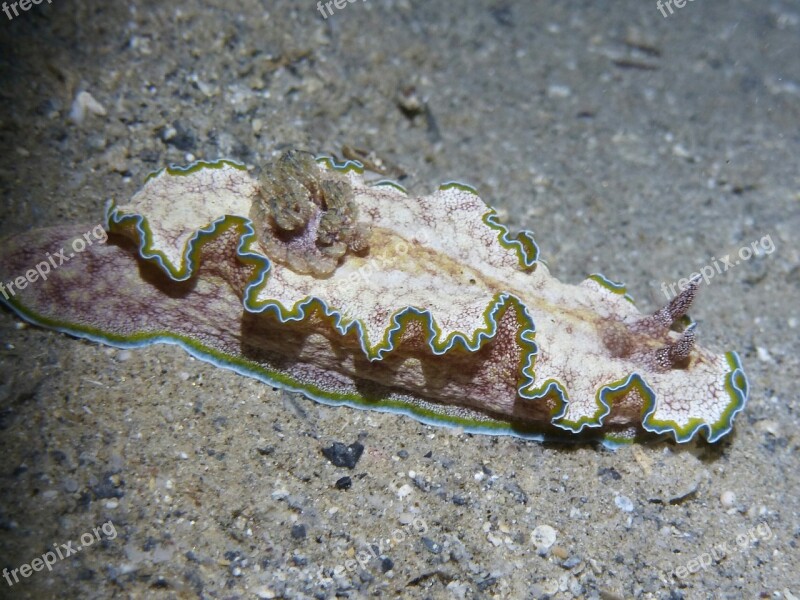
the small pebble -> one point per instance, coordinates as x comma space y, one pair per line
85, 103
763, 354
771, 427
680, 151
727, 499
558, 91
298, 532
168, 133
432, 546
280, 494
624, 503
543, 537
344, 483
485, 584
344, 456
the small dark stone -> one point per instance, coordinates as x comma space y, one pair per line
183, 139
607, 474
266, 450
160, 584
85, 500
298, 532
299, 560
422, 484
402, 454
6, 416
149, 156
108, 489
194, 579
459, 500
771, 443
344, 483
486, 584
7, 524
387, 564
432, 546
503, 16
344, 456
191, 556
149, 544
428, 454
571, 562
512, 487
58, 456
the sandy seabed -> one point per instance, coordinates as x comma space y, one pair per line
632, 144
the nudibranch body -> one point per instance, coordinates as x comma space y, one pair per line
311, 279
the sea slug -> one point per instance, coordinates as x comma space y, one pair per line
311, 279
